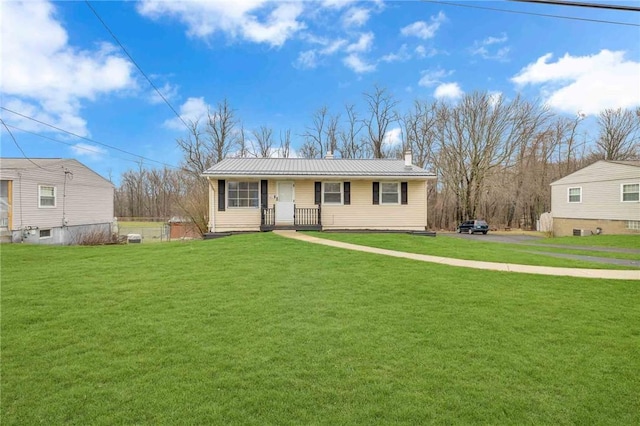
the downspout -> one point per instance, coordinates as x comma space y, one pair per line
212, 197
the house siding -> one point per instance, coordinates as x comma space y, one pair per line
83, 198
601, 193
601, 205
363, 214
360, 214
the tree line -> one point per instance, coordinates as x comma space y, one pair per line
494, 157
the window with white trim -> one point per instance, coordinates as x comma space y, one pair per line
633, 224
45, 233
575, 195
243, 194
46, 196
630, 192
389, 193
332, 192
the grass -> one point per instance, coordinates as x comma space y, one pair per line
477, 249
619, 241
258, 329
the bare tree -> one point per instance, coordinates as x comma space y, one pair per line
241, 143
263, 141
331, 134
481, 134
421, 132
221, 123
309, 150
202, 149
315, 134
350, 140
285, 143
619, 134
381, 114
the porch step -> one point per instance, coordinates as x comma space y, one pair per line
266, 228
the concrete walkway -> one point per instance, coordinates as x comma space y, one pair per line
493, 266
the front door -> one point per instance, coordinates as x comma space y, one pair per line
285, 203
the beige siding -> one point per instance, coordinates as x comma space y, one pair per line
363, 214
360, 214
83, 198
231, 219
601, 193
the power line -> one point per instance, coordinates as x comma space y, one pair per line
583, 4
136, 64
18, 145
86, 138
84, 148
532, 13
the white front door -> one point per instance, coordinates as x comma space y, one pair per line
285, 203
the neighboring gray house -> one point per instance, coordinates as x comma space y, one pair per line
52, 201
601, 198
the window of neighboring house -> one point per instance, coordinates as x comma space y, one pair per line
633, 224
47, 196
389, 193
575, 195
332, 193
243, 194
630, 192
45, 233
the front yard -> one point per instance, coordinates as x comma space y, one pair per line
259, 329
531, 253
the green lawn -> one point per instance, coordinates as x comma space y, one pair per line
621, 241
259, 329
477, 249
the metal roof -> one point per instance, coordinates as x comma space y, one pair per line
31, 163
314, 167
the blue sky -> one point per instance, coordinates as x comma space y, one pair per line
279, 62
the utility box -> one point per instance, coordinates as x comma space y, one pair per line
134, 238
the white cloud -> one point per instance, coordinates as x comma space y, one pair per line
336, 4
393, 137
585, 83
495, 97
192, 110
424, 30
307, 60
363, 44
333, 46
484, 47
400, 56
357, 64
168, 90
448, 91
355, 17
258, 21
89, 151
432, 77
48, 78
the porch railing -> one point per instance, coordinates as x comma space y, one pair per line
267, 216
308, 216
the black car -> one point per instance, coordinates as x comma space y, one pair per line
471, 226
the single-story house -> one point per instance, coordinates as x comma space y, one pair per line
603, 197
52, 201
262, 194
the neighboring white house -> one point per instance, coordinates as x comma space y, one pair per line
252, 194
52, 201
601, 198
